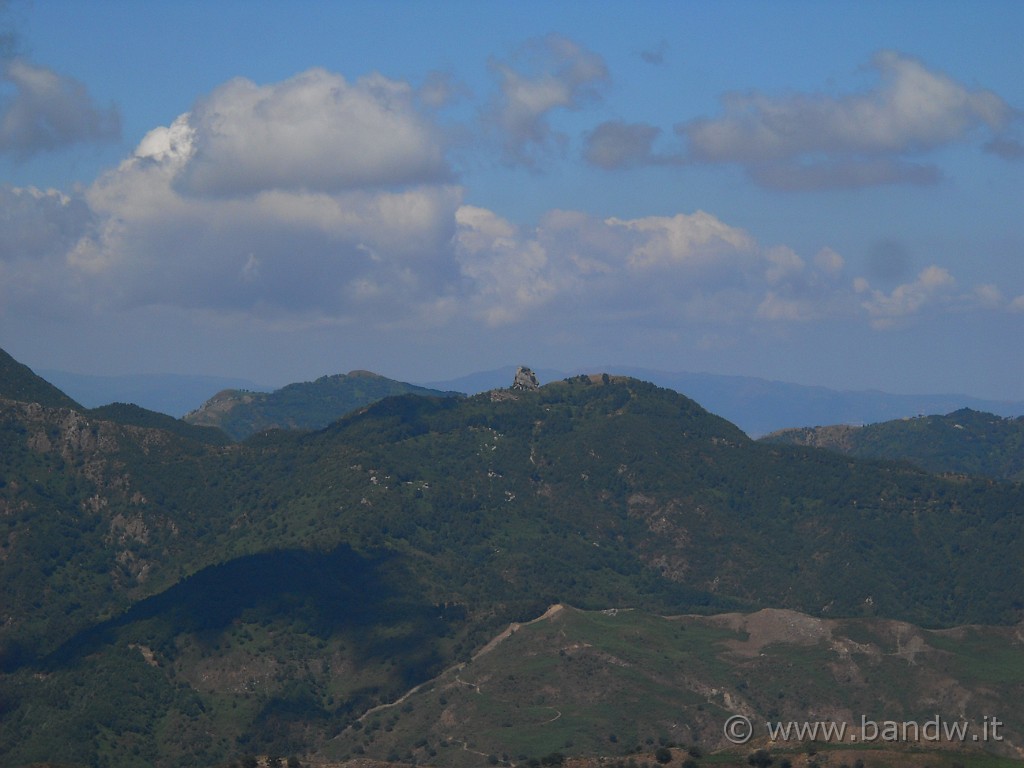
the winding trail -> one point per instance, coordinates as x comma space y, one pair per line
493, 643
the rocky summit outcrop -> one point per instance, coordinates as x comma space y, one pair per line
525, 380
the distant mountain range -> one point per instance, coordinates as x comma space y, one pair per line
757, 406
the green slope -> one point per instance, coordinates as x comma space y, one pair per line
262, 596
128, 413
18, 382
304, 406
619, 683
965, 441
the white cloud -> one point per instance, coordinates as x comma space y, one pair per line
49, 111
814, 141
687, 268
510, 275
548, 74
829, 262
694, 239
989, 296
266, 202
301, 198
313, 132
783, 263
774, 307
441, 89
932, 284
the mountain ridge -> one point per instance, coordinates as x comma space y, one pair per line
963, 441
302, 405
758, 406
223, 598
19, 382
761, 406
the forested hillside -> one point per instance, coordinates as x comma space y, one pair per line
964, 441
173, 600
304, 405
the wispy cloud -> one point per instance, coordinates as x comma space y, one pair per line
615, 144
816, 141
44, 110
547, 74
655, 55
933, 284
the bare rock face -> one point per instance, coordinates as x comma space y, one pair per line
525, 380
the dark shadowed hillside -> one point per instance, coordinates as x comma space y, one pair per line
18, 382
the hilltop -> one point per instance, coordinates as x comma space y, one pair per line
762, 406
18, 382
305, 405
964, 441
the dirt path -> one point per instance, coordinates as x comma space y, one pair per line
512, 628
497, 640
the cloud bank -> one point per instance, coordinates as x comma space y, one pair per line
323, 200
818, 141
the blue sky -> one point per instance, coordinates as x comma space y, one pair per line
824, 193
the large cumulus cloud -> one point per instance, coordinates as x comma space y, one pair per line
313, 132
313, 196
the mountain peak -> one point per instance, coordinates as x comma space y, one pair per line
302, 405
19, 382
525, 379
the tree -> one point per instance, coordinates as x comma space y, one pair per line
663, 755
760, 758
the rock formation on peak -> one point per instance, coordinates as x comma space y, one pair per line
525, 380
